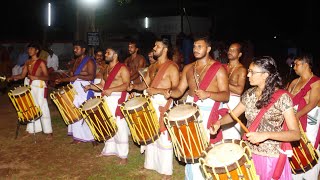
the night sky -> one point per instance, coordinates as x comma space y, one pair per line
255, 20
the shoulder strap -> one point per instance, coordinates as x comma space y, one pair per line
83, 62
212, 71
258, 118
162, 70
35, 68
112, 75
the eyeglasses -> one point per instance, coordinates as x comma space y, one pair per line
255, 72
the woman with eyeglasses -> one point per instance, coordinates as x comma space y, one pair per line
270, 120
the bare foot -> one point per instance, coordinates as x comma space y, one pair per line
123, 161
95, 144
142, 170
75, 142
49, 137
166, 177
100, 155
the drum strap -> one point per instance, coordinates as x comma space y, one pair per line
156, 81
112, 75
212, 71
214, 114
284, 145
261, 113
300, 101
162, 110
33, 73
108, 82
78, 71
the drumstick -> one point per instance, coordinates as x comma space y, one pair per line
82, 84
92, 84
144, 80
238, 120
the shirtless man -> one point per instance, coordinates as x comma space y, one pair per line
37, 74
101, 65
237, 74
134, 62
306, 95
207, 80
81, 74
161, 76
115, 81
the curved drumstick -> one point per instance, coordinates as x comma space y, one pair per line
144, 80
238, 120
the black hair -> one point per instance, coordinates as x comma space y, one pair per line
168, 45
36, 46
81, 43
306, 58
273, 81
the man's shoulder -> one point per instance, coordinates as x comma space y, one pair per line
139, 56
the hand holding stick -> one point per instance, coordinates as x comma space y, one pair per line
246, 130
144, 80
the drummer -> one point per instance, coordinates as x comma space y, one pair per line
207, 81
82, 73
267, 108
37, 74
162, 75
306, 94
116, 79
101, 65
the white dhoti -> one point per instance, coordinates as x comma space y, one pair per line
80, 129
97, 81
232, 131
37, 92
192, 171
312, 131
159, 154
119, 144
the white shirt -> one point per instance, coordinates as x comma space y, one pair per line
53, 62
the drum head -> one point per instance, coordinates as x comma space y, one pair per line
91, 103
19, 90
181, 111
135, 103
224, 154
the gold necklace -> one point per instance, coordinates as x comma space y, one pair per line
109, 71
233, 68
202, 71
301, 86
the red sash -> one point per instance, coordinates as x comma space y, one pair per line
33, 73
215, 112
300, 101
284, 145
108, 82
155, 83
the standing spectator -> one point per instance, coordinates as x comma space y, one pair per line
52, 61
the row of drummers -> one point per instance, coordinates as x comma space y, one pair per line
228, 158
183, 122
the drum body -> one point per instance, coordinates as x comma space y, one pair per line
23, 102
186, 131
142, 119
99, 118
63, 98
305, 156
228, 159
